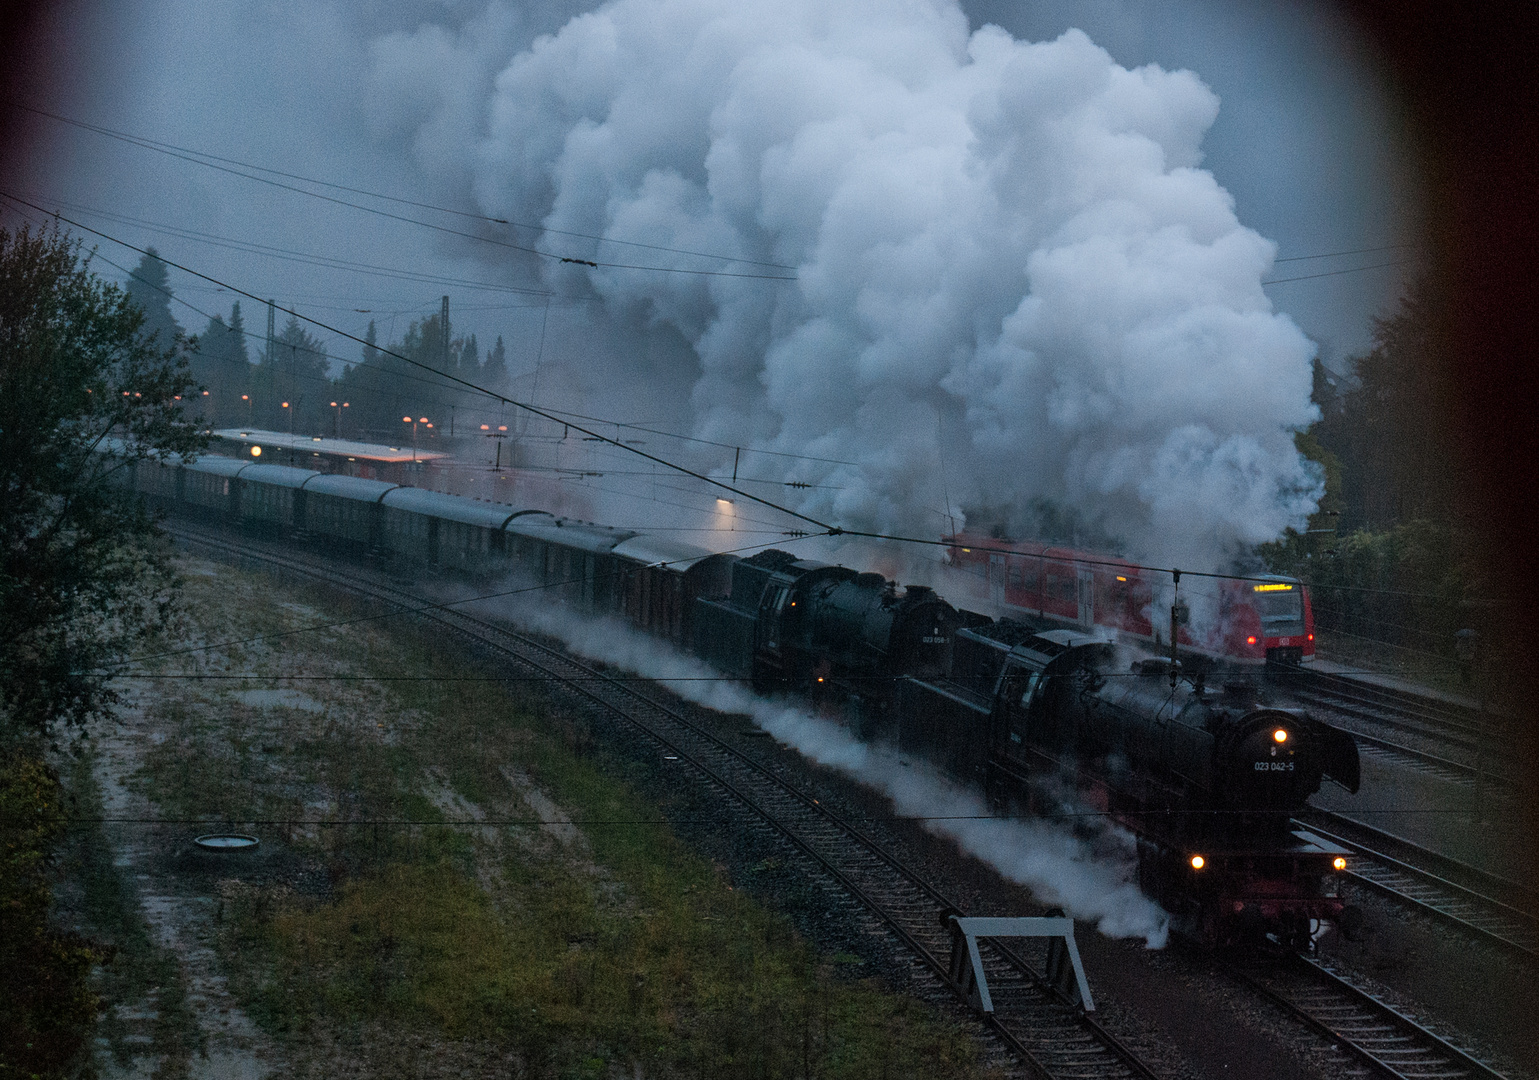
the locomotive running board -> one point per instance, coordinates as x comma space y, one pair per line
967, 965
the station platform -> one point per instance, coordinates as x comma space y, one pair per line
1393, 683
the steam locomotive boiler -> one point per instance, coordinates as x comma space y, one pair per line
1208, 782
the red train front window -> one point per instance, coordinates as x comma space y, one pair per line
1281, 607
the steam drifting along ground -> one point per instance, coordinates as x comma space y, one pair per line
1013, 283
1089, 878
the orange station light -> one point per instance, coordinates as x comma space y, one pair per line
1339, 863
1198, 862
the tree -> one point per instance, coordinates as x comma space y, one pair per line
1387, 428
371, 346
221, 362
470, 359
82, 581
496, 371
148, 287
82, 575
299, 375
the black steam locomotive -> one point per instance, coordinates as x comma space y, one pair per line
1206, 780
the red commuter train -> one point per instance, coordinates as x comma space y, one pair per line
1251, 620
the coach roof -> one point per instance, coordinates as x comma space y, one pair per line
488, 515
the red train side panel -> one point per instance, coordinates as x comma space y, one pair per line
1248, 621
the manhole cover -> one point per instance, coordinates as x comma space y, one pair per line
226, 842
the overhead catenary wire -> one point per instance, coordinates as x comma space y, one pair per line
1353, 251
554, 256
1334, 273
825, 528
146, 143
360, 363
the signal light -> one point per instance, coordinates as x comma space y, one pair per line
1311, 637
1281, 735
1251, 640
1339, 863
1198, 862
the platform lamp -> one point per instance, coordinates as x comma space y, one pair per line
414, 423
499, 434
336, 425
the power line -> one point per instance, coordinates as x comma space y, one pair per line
308, 259
146, 143
1354, 251
1333, 273
451, 281
826, 528
429, 225
443, 374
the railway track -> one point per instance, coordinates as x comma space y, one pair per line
1386, 1040
1458, 895
1452, 742
1038, 1026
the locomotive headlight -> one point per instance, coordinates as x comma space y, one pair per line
1280, 735
1198, 862
1340, 863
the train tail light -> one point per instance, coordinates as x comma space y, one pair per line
1198, 862
1340, 862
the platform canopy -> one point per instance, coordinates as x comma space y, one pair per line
316, 444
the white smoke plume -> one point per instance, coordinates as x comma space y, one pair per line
1013, 280
1089, 879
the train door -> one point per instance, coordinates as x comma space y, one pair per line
1086, 576
997, 578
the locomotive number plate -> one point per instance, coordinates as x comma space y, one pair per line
1274, 766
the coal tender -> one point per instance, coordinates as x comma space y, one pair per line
1206, 778
828, 631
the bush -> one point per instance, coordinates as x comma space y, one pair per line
47, 1007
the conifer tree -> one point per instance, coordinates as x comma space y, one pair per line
495, 374
148, 286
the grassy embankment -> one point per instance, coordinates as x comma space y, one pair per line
559, 951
